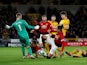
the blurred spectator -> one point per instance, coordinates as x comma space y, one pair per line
72, 34
13, 35
36, 22
81, 13
4, 34
0, 32
85, 34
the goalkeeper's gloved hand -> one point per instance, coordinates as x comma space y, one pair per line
37, 27
7, 27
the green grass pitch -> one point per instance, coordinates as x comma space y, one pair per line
13, 56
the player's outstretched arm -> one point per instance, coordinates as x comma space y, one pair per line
31, 27
61, 23
37, 27
8, 27
28, 26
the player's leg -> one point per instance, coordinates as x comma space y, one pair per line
52, 51
47, 47
60, 49
53, 48
27, 42
41, 45
71, 53
45, 44
23, 48
64, 32
63, 45
50, 41
78, 54
56, 53
52, 37
84, 53
35, 48
40, 41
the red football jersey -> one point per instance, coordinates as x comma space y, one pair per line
44, 27
59, 37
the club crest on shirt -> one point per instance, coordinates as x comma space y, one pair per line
44, 26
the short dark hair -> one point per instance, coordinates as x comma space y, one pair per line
18, 14
44, 15
63, 13
53, 15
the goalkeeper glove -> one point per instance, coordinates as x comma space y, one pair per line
7, 27
37, 27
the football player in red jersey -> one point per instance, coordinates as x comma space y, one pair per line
45, 28
44, 25
59, 40
37, 48
45, 37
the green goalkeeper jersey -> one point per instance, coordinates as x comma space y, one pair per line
20, 26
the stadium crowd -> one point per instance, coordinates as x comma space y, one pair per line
48, 2
78, 22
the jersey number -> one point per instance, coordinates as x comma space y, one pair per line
19, 26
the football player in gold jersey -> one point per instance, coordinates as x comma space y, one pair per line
77, 53
65, 22
54, 25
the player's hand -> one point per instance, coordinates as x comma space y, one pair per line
37, 27
63, 40
7, 26
31, 31
50, 34
56, 37
40, 45
49, 31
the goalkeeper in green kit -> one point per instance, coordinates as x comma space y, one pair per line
20, 25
